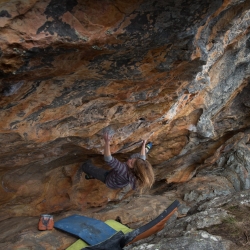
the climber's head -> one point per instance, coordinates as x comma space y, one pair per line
143, 172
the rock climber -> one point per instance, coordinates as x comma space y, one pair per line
136, 172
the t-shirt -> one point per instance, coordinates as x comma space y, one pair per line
120, 175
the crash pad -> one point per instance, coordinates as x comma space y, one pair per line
118, 240
79, 244
118, 226
90, 230
113, 243
153, 226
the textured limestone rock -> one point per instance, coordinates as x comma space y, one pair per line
21, 232
204, 188
191, 241
201, 220
231, 162
183, 232
238, 198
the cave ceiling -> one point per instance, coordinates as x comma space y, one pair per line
175, 71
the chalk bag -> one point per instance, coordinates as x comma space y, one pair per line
46, 222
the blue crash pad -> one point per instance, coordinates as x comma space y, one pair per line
88, 229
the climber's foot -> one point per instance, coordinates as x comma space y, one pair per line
80, 170
89, 177
148, 146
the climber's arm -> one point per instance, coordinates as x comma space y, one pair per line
107, 154
143, 149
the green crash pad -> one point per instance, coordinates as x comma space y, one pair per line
79, 244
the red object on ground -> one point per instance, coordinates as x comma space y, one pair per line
46, 222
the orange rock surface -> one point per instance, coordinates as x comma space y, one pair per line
176, 70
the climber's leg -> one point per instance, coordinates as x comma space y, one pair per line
93, 172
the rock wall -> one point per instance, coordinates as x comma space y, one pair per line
177, 71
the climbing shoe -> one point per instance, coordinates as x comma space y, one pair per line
148, 146
89, 177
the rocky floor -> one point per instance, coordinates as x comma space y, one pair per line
221, 223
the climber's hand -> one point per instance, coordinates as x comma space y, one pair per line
145, 139
107, 137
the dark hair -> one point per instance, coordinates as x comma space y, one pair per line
144, 174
